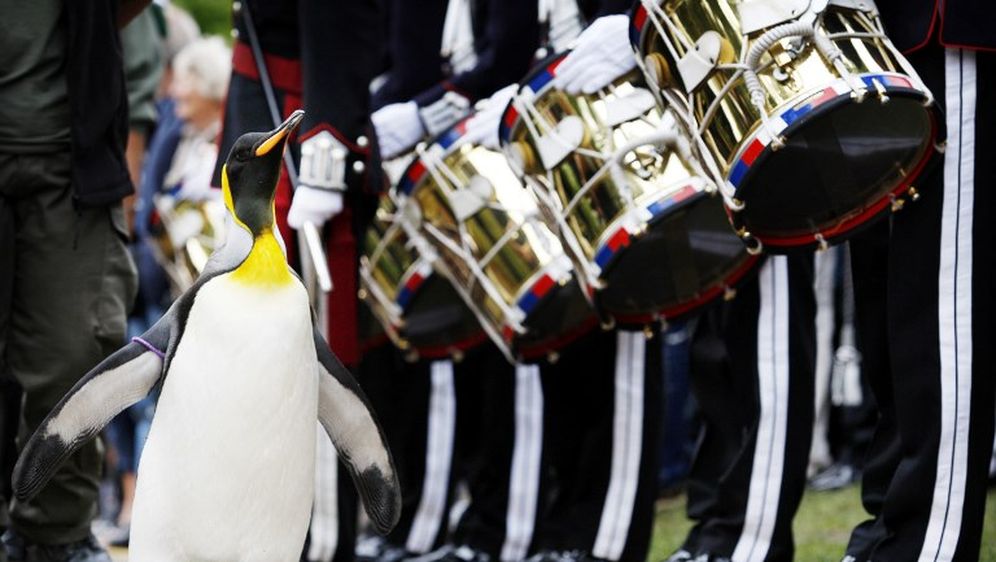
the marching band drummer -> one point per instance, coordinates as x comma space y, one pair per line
596, 496
745, 488
458, 416
602, 395
319, 55
925, 282
503, 507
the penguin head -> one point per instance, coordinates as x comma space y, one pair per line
249, 177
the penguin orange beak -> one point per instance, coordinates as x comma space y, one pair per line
279, 135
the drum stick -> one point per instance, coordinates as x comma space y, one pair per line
312, 239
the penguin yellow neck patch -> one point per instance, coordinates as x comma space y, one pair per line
265, 265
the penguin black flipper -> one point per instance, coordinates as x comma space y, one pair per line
117, 382
346, 415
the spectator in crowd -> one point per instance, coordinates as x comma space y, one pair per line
66, 279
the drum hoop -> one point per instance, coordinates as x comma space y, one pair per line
538, 81
417, 171
412, 281
793, 115
540, 285
866, 217
791, 118
617, 236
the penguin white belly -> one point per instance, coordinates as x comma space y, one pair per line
227, 473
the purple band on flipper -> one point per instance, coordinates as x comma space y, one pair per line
150, 347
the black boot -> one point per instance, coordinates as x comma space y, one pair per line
20, 550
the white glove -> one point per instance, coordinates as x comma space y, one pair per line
603, 53
483, 127
313, 205
398, 128
443, 113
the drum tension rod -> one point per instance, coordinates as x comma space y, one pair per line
897, 203
822, 245
883, 96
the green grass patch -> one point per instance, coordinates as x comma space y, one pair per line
213, 16
822, 526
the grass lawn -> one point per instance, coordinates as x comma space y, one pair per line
822, 526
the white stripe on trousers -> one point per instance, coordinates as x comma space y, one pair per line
954, 308
523, 485
438, 456
323, 533
627, 445
772, 381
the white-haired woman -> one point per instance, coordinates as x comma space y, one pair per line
200, 80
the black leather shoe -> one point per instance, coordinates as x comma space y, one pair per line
710, 558
834, 477
563, 556
454, 554
544, 556
20, 550
680, 556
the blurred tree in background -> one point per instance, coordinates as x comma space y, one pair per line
214, 16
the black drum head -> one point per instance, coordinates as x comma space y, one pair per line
437, 317
836, 164
562, 315
684, 253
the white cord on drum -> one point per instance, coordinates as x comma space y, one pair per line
678, 105
471, 262
875, 22
653, 7
438, 168
553, 203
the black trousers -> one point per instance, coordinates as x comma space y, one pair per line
552, 456
471, 429
602, 426
753, 361
66, 284
925, 480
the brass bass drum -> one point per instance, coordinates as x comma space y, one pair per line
622, 188
810, 121
494, 246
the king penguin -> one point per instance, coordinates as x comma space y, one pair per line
227, 473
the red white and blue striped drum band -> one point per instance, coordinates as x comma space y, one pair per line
655, 242
846, 161
505, 262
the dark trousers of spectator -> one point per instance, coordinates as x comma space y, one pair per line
677, 430
927, 291
753, 362
602, 428
66, 281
